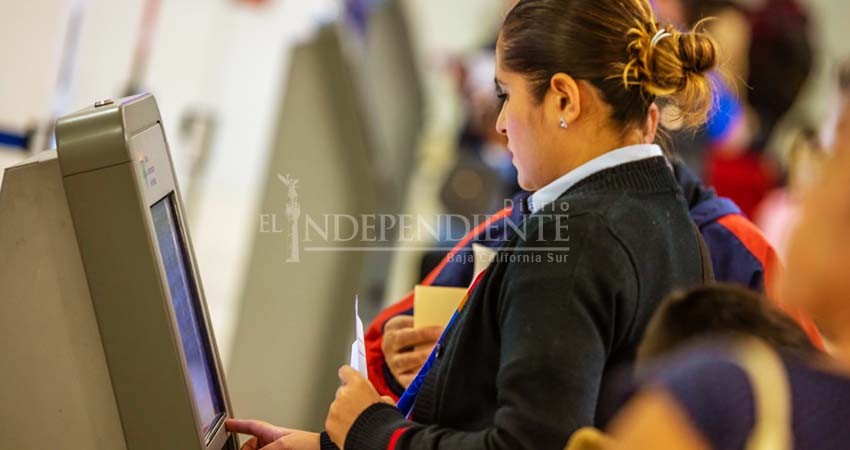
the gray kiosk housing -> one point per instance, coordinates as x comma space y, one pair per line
124, 345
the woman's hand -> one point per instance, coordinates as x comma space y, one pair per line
352, 398
406, 348
266, 436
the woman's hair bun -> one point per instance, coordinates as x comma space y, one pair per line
697, 52
618, 47
667, 63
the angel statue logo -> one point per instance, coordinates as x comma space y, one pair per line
293, 213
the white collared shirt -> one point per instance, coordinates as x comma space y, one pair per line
555, 189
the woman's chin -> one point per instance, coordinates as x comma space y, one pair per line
525, 184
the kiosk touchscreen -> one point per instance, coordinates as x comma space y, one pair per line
193, 336
105, 329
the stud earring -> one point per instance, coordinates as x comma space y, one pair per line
563, 123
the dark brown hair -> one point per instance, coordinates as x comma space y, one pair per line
608, 43
719, 310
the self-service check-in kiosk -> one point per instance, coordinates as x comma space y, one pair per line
104, 330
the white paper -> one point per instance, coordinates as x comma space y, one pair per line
358, 347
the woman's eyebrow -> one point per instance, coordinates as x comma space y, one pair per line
498, 84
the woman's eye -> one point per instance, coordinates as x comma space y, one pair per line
502, 98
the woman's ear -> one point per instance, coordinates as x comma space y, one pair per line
567, 98
650, 128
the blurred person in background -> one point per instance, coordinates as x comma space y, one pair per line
777, 213
767, 54
481, 145
779, 61
532, 344
716, 399
740, 253
483, 178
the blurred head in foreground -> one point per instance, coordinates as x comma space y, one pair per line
718, 311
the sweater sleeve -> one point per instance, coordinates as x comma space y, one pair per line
556, 320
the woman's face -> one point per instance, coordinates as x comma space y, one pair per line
530, 133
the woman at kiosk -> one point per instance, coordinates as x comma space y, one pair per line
527, 357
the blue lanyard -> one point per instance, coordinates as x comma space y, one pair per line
408, 398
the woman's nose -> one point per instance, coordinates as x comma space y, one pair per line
500, 123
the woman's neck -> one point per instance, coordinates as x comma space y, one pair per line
596, 146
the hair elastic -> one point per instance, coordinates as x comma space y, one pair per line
661, 34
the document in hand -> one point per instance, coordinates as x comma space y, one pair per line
434, 305
358, 347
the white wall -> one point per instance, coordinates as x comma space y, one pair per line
29, 46
216, 54
107, 40
30, 37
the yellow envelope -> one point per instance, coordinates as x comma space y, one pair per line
434, 305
